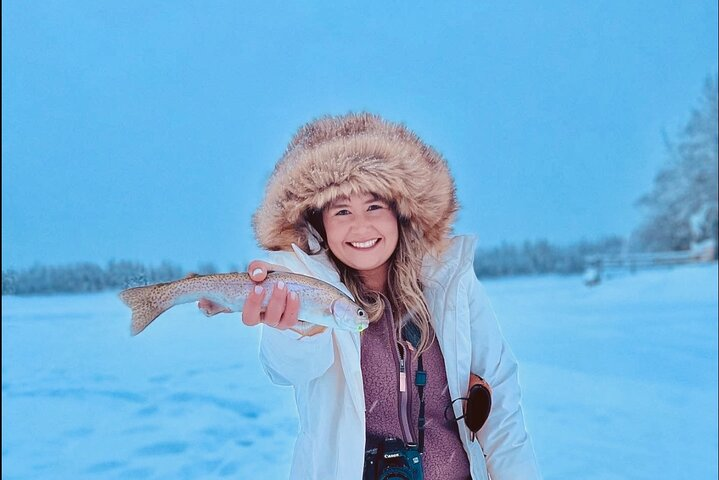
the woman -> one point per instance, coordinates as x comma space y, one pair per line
365, 205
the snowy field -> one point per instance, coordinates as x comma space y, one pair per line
620, 382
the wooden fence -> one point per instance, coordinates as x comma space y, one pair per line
599, 265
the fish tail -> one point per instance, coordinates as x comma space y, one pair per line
143, 301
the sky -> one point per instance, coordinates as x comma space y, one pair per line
147, 130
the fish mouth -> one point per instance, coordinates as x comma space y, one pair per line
366, 245
346, 315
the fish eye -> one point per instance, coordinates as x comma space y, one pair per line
360, 312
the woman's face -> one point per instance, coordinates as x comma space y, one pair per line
362, 233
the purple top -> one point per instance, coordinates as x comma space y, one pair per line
393, 401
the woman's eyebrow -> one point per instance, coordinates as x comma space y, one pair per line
343, 202
340, 202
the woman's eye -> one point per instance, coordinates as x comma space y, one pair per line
374, 207
342, 212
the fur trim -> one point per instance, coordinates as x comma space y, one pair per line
356, 153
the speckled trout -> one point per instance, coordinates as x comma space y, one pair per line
326, 305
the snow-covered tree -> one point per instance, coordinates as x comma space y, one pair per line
682, 206
9, 282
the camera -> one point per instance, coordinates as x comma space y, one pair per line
392, 459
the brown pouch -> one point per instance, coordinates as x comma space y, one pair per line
478, 403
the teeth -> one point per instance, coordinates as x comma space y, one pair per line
367, 244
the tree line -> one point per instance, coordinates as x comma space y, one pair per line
83, 277
529, 258
541, 257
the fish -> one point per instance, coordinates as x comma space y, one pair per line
326, 305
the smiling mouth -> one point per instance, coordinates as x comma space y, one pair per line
365, 245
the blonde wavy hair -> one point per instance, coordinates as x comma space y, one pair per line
403, 282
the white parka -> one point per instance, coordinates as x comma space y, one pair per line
326, 374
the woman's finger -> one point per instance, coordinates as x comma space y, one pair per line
276, 305
258, 269
251, 310
292, 308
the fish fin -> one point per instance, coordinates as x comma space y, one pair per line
144, 308
308, 329
214, 309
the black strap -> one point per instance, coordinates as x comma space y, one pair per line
420, 379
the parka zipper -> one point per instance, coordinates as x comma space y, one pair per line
404, 396
405, 363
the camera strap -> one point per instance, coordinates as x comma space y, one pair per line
420, 380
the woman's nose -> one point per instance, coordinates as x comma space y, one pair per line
361, 222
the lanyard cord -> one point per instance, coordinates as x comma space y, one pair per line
420, 379
411, 333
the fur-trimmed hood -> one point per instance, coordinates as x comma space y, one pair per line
356, 153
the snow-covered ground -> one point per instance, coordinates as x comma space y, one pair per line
620, 382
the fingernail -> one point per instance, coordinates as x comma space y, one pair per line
256, 271
258, 289
281, 285
293, 296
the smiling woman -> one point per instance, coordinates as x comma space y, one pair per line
365, 205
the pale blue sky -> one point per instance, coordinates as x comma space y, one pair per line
147, 130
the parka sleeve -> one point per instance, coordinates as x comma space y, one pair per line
290, 359
287, 357
504, 439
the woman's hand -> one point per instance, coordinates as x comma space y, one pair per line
281, 311
282, 308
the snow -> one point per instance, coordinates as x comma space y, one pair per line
619, 382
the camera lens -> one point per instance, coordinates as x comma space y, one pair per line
392, 473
